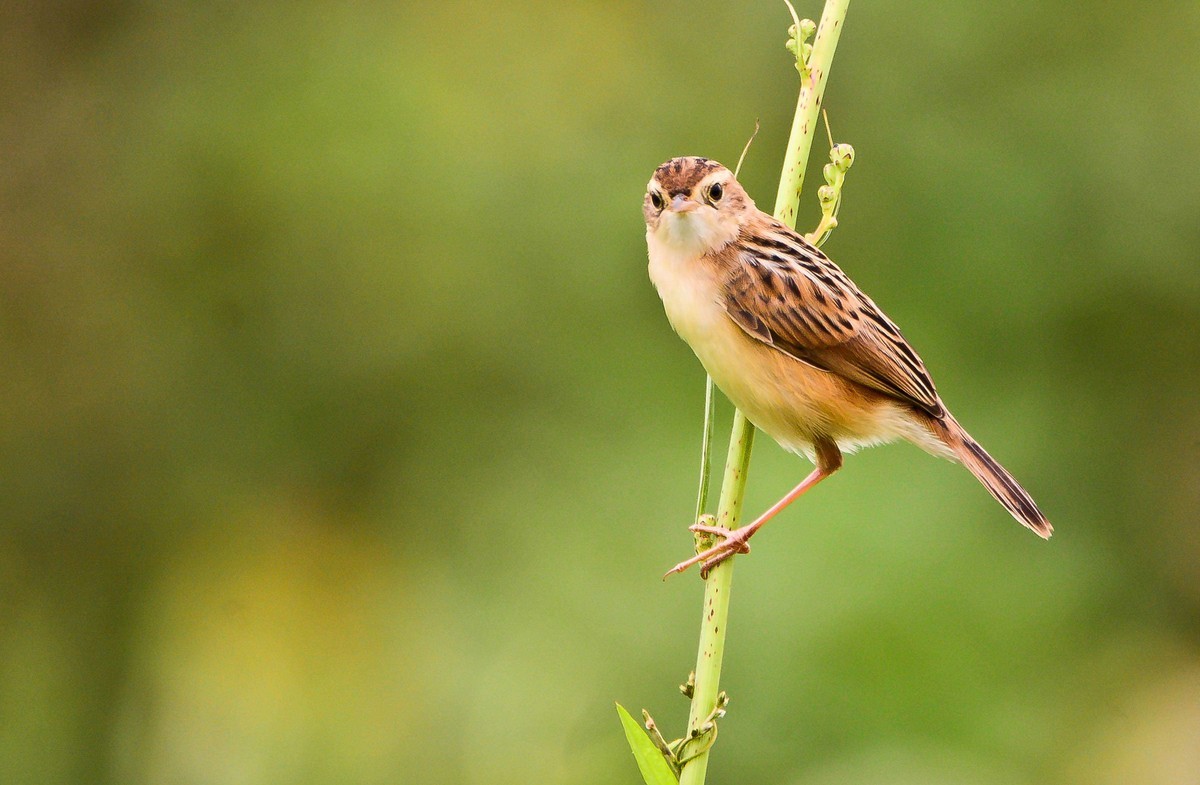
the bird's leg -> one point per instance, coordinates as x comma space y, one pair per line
829, 459
734, 540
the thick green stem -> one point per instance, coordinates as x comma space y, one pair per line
717, 587
808, 108
716, 596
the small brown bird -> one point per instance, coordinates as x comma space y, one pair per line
792, 342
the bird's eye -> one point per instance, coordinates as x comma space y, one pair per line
656, 199
715, 192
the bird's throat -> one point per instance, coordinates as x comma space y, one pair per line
694, 234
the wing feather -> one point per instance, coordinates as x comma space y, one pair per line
784, 292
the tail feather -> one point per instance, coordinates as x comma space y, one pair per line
995, 478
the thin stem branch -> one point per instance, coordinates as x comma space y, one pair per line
705, 449
814, 72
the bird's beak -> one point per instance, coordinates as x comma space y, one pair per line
682, 204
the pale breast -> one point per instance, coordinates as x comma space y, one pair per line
777, 399
689, 289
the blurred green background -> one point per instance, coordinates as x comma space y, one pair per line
344, 439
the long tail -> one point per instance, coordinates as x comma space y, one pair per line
993, 476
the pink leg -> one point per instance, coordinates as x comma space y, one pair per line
734, 541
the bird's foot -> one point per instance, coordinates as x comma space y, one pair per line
732, 541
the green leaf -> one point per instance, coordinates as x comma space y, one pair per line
654, 767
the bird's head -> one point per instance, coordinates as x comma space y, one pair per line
695, 205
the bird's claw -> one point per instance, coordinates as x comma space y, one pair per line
700, 528
733, 541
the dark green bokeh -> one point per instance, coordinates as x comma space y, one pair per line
344, 439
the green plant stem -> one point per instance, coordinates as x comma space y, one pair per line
717, 588
716, 595
808, 107
705, 448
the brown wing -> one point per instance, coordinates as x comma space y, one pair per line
787, 294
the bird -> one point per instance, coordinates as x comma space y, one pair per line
793, 343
